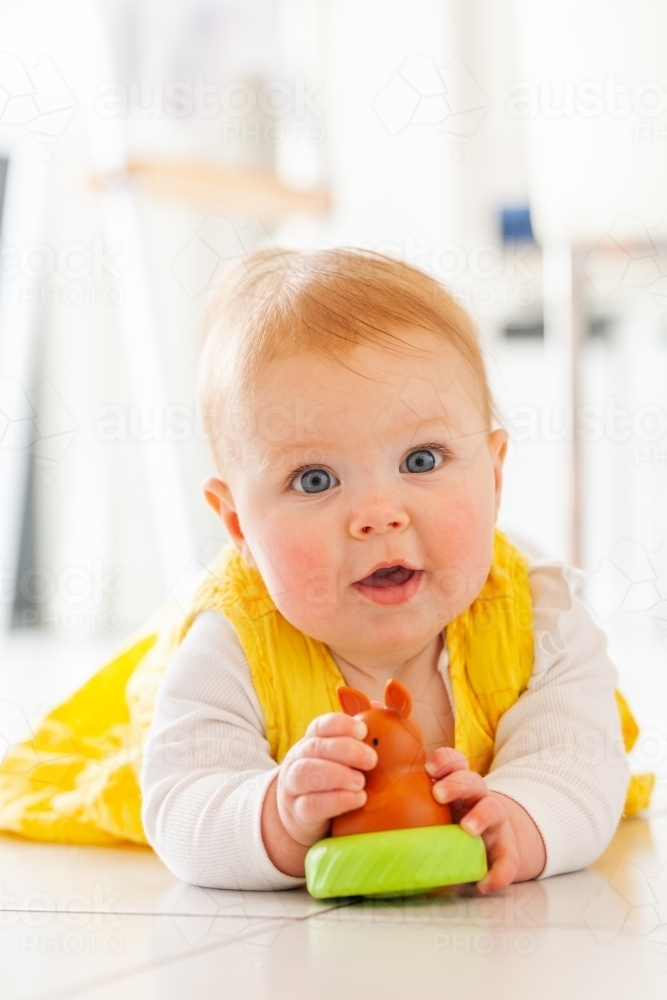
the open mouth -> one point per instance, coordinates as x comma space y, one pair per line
389, 576
390, 584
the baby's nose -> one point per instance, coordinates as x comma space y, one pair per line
378, 520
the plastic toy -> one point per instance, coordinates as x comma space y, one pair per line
401, 841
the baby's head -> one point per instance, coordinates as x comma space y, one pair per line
346, 402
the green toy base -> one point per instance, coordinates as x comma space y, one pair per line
394, 862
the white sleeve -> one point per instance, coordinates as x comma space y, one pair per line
207, 765
559, 750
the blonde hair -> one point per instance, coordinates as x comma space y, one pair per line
278, 303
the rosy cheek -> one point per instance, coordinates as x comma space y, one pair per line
462, 526
465, 532
294, 557
300, 565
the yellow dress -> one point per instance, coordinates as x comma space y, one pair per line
77, 780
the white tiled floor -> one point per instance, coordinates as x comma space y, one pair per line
101, 923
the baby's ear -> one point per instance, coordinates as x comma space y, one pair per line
397, 698
352, 701
216, 493
219, 496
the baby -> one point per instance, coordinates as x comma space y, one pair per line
345, 398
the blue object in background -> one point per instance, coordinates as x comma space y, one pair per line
515, 224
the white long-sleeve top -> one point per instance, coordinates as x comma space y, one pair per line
558, 750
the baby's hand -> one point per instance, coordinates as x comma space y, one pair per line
479, 811
322, 776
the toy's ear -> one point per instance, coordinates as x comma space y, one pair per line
397, 698
352, 701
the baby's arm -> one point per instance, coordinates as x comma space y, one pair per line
320, 777
514, 845
207, 766
559, 752
553, 796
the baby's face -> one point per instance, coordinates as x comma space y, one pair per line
366, 495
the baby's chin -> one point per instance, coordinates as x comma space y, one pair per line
369, 628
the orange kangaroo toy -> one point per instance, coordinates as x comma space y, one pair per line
399, 789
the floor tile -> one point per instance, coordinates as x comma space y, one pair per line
60, 877
580, 900
98, 923
644, 838
325, 959
53, 956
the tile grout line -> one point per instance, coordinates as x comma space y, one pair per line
162, 913
167, 960
264, 918
110, 978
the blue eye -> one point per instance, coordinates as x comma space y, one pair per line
314, 481
422, 460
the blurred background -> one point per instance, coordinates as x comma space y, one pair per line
514, 150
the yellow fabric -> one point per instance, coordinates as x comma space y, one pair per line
77, 780
629, 727
638, 795
490, 649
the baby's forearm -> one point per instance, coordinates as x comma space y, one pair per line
288, 855
532, 853
284, 852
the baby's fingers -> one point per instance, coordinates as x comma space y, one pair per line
444, 761
337, 724
503, 856
342, 749
311, 810
487, 812
307, 775
466, 786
